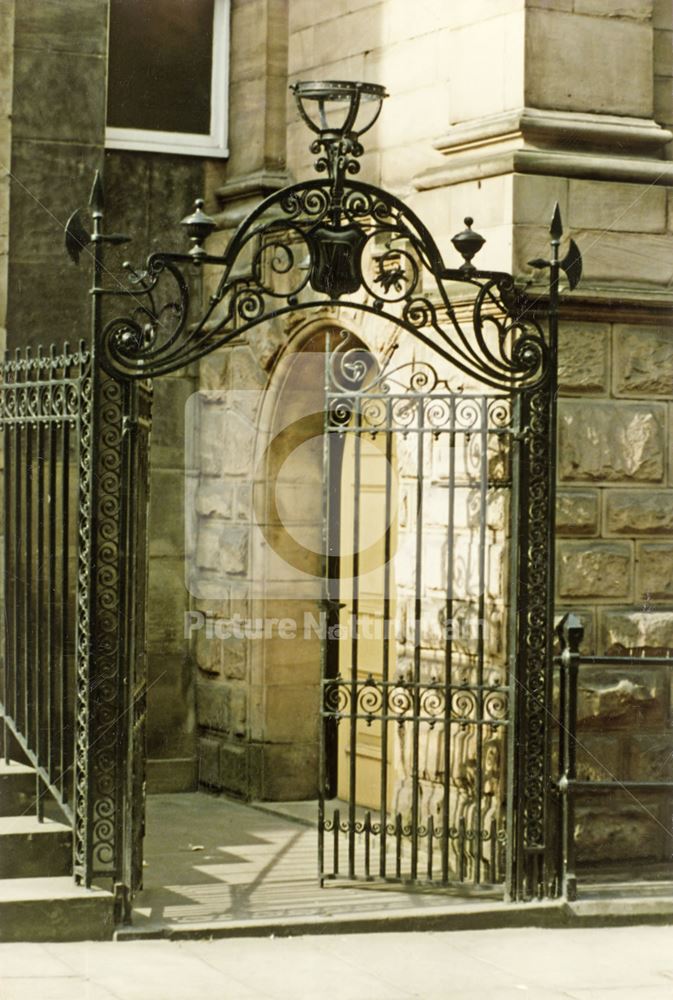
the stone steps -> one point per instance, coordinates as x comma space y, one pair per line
17, 789
39, 900
54, 909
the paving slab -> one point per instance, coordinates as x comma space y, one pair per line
602, 964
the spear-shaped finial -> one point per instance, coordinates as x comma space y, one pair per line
572, 262
97, 198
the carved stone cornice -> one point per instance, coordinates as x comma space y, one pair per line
559, 143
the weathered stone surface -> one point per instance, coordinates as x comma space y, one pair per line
49, 25
234, 543
167, 513
234, 768
170, 706
640, 632
215, 498
633, 208
576, 63
615, 832
639, 512
583, 357
643, 363
611, 441
639, 9
289, 772
597, 757
596, 569
292, 713
209, 762
650, 757
169, 411
655, 571
166, 604
576, 512
208, 651
213, 705
615, 696
44, 84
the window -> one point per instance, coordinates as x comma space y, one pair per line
167, 76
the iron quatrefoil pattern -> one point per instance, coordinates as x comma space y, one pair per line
322, 242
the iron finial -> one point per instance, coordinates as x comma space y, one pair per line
468, 243
97, 199
199, 226
556, 226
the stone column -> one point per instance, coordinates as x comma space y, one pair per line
572, 101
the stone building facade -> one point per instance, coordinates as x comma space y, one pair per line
497, 109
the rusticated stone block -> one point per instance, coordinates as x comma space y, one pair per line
612, 831
598, 757
611, 441
650, 757
234, 658
639, 632
214, 497
643, 363
221, 707
208, 652
583, 357
576, 512
614, 697
209, 762
597, 569
639, 512
655, 570
234, 767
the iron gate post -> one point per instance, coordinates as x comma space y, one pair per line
111, 605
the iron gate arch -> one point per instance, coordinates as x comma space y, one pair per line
324, 242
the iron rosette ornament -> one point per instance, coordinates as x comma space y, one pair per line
328, 241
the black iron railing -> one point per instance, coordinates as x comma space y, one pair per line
570, 633
45, 416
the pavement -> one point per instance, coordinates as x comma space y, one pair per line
617, 963
215, 867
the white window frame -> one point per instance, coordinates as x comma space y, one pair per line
191, 144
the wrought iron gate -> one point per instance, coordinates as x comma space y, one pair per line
417, 684
452, 707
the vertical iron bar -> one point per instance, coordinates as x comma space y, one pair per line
8, 563
353, 733
38, 603
50, 664
398, 845
483, 514
385, 670
367, 833
517, 569
28, 618
418, 604
19, 549
63, 686
336, 833
431, 836
448, 638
